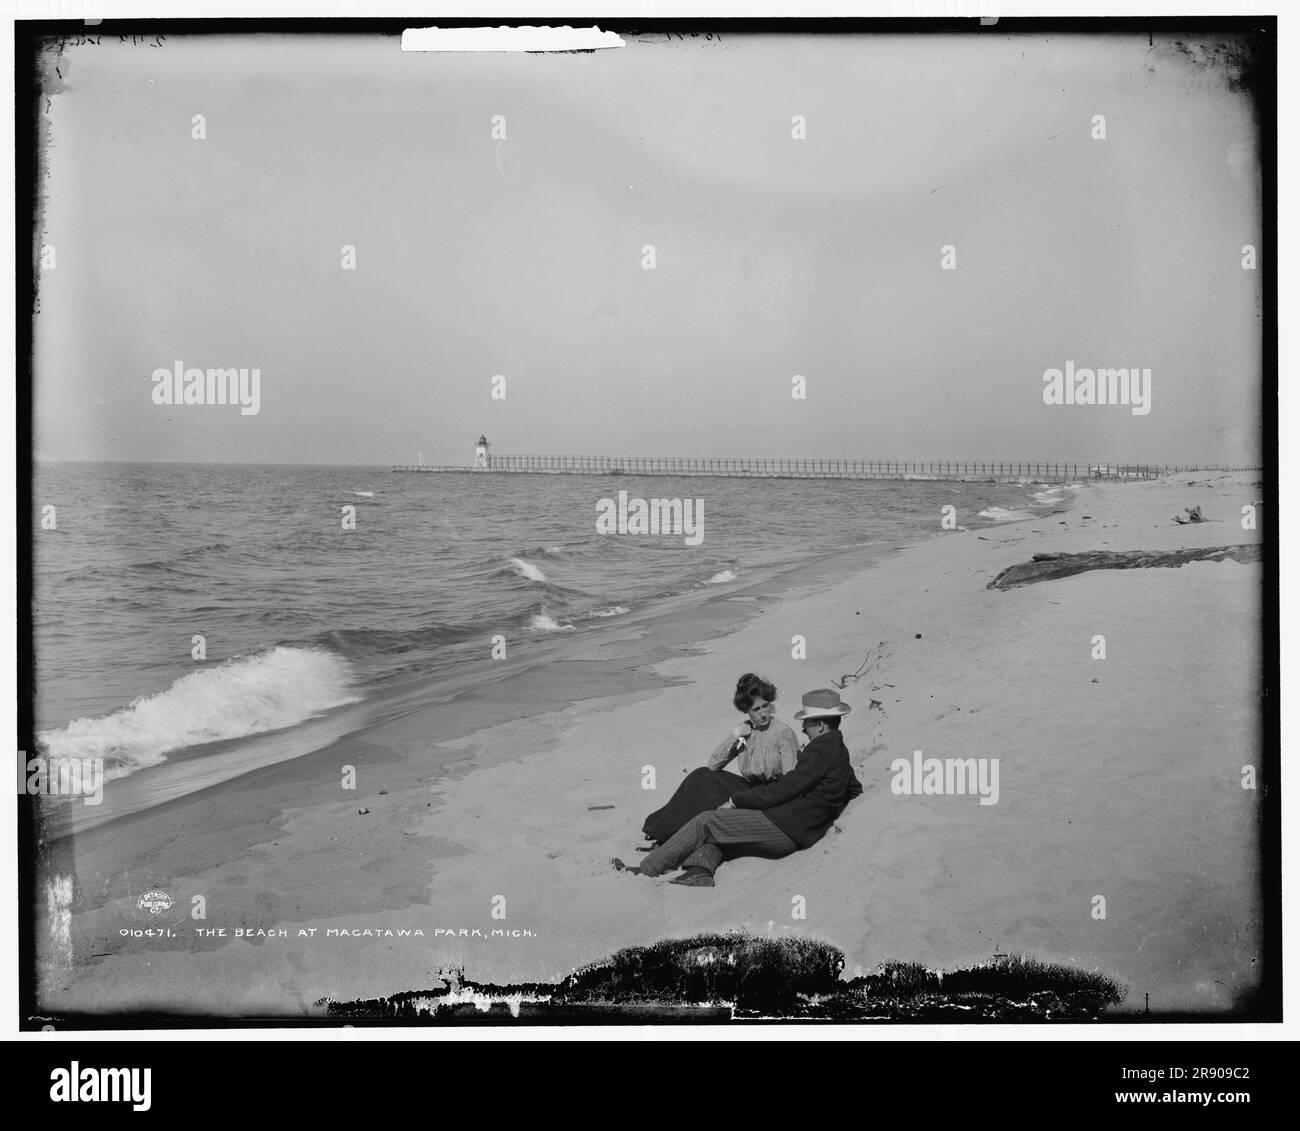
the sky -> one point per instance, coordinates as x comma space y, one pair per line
774, 256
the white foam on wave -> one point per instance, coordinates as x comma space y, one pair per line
1051, 495
365, 494
527, 569
721, 576
1001, 514
543, 622
244, 696
612, 611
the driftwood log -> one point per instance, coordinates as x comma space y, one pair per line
1048, 567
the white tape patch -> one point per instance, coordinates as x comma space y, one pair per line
508, 39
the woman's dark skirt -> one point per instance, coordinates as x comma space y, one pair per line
702, 790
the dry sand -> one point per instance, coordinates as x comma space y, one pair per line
1118, 777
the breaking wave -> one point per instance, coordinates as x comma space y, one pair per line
244, 696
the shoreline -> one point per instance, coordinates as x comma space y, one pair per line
211, 765
907, 878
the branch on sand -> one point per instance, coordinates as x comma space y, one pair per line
1048, 567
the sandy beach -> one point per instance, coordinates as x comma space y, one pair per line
1119, 778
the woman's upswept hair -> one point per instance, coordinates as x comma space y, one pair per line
750, 687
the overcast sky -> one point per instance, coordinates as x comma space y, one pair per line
774, 256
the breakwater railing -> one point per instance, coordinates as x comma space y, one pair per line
999, 471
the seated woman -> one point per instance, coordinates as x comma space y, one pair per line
765, 748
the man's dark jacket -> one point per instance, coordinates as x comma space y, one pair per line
805, 802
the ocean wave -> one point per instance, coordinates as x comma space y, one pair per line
170, 563
543, 622
612, 611
363, 642
1002, 514
721, 576
527, 569
365, 494
244, 696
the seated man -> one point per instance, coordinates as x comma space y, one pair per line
770, 820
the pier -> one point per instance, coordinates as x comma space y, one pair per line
954, 471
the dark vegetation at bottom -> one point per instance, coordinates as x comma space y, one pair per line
739, 976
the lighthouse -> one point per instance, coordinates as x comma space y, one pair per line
482, 461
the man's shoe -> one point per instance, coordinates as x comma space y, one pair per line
619, 866
695, 878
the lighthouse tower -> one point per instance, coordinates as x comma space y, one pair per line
482, 461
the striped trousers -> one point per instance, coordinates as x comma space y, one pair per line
706, 840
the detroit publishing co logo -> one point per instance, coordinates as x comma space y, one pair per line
155, 902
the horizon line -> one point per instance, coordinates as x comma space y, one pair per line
1056, 460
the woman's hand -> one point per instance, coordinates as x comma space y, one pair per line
742, 731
